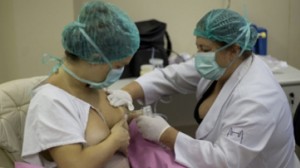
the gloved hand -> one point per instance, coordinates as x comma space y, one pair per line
119, 98
152, 127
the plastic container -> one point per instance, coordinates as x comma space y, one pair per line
157, 62
146, 68
261, 45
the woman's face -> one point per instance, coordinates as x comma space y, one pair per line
206, 45
121, 63
223, 57
104, 69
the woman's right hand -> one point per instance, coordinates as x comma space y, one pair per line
121, 135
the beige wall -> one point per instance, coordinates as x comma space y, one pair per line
281, 18
294, 34
30, 28
7, 39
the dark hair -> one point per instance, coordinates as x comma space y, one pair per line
245, 54
71, 56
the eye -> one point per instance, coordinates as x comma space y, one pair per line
203, 48
117, 66
206, 50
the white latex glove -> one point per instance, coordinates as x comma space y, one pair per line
152, 127
119, 98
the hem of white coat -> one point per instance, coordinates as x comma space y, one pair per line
180, 147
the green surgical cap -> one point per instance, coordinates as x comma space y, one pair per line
101, 32
224, 25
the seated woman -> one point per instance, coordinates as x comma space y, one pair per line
70, 122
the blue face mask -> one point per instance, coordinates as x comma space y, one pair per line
207, 67
112, 77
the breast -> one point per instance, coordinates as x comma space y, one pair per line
101, 121
96, 130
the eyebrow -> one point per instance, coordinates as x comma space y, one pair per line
204, 47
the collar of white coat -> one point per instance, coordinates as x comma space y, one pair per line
212, 115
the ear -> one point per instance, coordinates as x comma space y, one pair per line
235, 50
232, 52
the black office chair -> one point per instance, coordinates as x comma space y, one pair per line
297, 125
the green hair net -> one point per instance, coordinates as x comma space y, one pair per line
103, 33
224, 25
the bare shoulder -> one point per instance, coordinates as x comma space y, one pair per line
111, 114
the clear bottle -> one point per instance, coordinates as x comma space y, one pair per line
146, 68
145, 111
157, 62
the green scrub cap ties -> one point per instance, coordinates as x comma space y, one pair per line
225, 25
112, 35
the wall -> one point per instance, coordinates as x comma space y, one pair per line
279, 17
294, 34
7, 40
32, 27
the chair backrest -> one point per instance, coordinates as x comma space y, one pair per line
297, 125
14, 100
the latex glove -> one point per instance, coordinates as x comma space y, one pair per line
152, 127
119, 98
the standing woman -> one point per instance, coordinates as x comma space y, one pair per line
244, 117
70, 123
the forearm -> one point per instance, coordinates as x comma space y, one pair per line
98, 155
135, 90
76, 155
168, 138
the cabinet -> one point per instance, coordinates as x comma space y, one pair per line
289, 79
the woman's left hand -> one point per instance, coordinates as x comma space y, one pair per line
152, 127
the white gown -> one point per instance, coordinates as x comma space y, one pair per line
248, 126
56, 118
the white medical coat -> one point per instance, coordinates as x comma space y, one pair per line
248, 126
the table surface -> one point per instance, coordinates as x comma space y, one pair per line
288, 76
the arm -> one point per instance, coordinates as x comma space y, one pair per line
225, 147
234, 141
168, 137
176, 78
75, 155
135, 90
64, 124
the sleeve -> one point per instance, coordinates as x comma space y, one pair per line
176, 78
52, 122
244, 133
